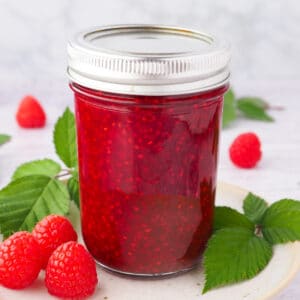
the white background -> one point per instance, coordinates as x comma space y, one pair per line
265, 39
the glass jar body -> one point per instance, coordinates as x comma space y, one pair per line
147, 169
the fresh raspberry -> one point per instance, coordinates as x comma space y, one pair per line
71, 272
20, 261
245, 150
30, 113
51, 232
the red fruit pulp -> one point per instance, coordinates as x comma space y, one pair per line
147, 177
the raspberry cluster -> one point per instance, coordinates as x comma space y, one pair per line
70, 269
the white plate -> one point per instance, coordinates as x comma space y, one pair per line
280, 271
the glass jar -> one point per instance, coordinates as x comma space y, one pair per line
148, 102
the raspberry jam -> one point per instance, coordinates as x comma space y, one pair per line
147, 169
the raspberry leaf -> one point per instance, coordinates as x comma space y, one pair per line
65, 139
258, 102
254, 108
281, 222
228, 217
73, 187
4, 138
233, 255
27, 200
37, 167
254, 208
229, 108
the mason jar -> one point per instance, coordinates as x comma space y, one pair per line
148, 103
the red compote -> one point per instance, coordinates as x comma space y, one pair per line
147, 161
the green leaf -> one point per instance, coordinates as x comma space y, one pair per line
229, 217
229, 108
27, 200
233, 255
254, 108
65, 139
73, 187
258, 102
4, 138
37, 167
254, 208
281, 222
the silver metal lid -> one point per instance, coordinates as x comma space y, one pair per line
147, 60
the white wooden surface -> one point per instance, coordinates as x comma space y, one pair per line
276, 177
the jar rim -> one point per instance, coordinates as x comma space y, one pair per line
147, 60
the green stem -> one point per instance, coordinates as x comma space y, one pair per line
274, 107
63, 174
257, 230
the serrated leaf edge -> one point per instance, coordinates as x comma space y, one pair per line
31, 162
256, 221
72, 159
50, 180
206, 287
